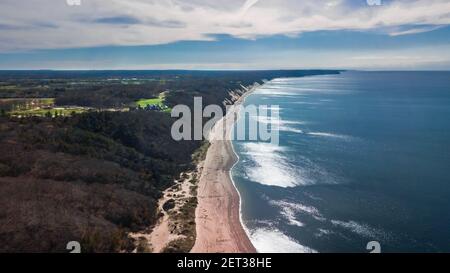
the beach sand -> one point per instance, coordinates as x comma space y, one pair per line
218, 225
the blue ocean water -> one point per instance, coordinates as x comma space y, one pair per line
363, 156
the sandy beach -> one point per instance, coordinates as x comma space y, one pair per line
218, 225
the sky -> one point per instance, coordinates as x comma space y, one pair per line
232, 34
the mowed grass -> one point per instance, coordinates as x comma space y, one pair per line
142, 103
155, 101
26, 101
23, 107
48, 101
53, 112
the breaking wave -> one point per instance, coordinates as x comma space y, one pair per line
272, 240
289, 211
360, 229
330, 135
281, 125
271, 167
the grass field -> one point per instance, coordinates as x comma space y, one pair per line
28, 101
154, 101
53, 112
47, 101
25, 104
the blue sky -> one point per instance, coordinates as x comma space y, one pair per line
252, 34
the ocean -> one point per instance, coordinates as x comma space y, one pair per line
362, 157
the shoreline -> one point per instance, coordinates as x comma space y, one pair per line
218, 215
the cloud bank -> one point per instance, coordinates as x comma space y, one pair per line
52, 24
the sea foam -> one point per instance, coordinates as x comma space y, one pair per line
289, 210
271, 166
360, 229
330, 135
272, 240
282, 125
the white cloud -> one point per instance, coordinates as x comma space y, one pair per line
48, 24
413, 30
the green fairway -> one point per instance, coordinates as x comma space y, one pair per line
159, 101
155, 101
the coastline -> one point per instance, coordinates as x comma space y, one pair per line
218, 214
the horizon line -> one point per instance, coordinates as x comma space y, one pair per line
229, 70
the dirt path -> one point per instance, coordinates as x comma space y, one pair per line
165, 230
